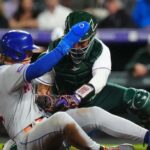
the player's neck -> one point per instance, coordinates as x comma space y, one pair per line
9, 61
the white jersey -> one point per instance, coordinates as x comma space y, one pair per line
17, 100
101, 69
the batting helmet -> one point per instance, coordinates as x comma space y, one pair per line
78, 54
16, 43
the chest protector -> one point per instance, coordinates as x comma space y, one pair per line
70, 77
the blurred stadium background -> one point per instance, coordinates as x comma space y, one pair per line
123, 39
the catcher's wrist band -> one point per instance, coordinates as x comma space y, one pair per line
77, 98
85, 92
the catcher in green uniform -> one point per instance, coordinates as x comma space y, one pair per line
83, 73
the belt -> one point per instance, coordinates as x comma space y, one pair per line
30, 126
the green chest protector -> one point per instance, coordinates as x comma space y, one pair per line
69, 77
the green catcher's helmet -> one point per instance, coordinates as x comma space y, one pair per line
78, 54
78, 16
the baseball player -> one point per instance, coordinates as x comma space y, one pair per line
85, 70
23, 120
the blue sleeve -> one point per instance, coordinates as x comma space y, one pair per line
43, 65
47, 62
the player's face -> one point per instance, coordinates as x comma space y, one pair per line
82, 44
79, 50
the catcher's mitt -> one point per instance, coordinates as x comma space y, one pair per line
47, 103
57, 103
66, 102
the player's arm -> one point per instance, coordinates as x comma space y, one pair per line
48, 61
49, 102
101, 70
44, 97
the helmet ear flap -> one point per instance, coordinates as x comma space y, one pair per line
13, 54
16, 43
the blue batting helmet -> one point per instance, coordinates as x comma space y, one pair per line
16, 43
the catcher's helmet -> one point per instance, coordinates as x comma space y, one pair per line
78, 16
16, 43
77, 54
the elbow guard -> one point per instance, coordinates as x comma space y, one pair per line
85, 92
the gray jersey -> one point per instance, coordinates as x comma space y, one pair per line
16, 99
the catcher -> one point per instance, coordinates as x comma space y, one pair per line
85, 70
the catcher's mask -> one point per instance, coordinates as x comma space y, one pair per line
80, 50
16, 43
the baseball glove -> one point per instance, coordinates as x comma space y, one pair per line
57, 103
66, 102
45, 102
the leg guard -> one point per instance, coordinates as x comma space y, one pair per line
138, 100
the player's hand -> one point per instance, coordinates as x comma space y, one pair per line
73, 36
66, 102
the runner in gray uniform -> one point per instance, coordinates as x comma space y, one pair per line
23, 120
97, 118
